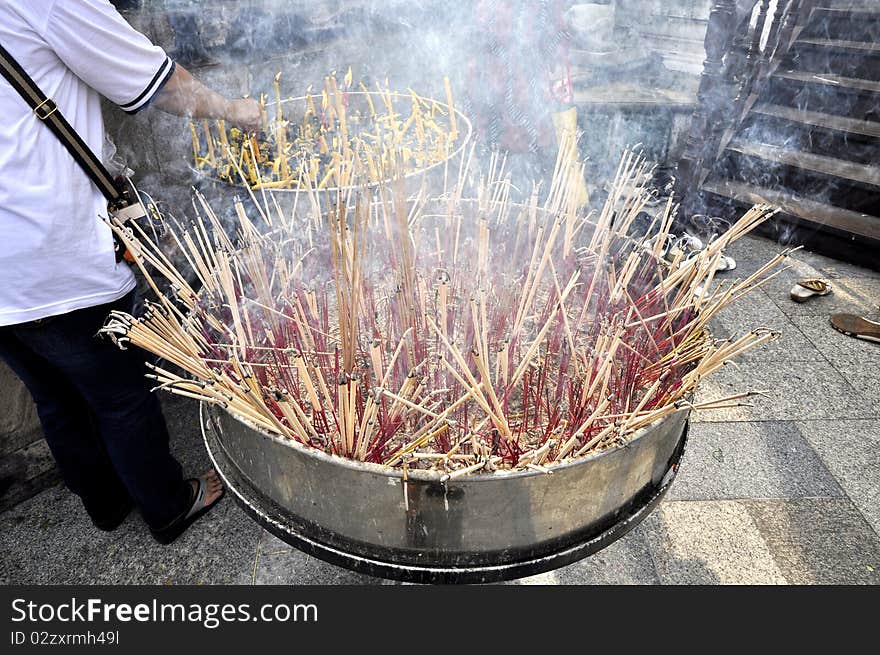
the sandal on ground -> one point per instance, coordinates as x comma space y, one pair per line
198, 508
806, 289
686, 244
725, 263
856, 326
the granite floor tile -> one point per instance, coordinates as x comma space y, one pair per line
757, 310
709, 542
752, 252
540, 579
627, 561
851, 451
767, 459
795, 390
849, 294
818, 541
864, 376
50, 540
835, 346
823, 266
279, 563
272, 545
856, 360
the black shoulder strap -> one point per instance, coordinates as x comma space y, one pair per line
47, 111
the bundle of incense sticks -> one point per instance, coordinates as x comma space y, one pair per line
461, 333
327, 139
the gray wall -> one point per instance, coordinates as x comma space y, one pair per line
158, 146
26, 466
675, 29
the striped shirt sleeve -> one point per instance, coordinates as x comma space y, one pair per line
166, 70
109, 55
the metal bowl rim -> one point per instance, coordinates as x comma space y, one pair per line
435, 476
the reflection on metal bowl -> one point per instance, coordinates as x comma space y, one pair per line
419, 528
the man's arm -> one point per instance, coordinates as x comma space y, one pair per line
120, 63
184, 95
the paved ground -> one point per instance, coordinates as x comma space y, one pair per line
787, 491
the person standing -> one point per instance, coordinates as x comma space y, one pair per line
59, 277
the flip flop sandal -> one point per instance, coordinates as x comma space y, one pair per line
651, 242
725, 263
687, 245
197, 510
856, 326
690, 243
806, 289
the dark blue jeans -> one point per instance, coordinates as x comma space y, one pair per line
102, 424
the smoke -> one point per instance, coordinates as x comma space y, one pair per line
807, 117
630, 67
509, 63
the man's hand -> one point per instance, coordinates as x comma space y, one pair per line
184, 95
244, 114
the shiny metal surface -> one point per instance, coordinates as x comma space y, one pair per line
352, 513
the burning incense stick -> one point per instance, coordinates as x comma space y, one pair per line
323, 147
460, 334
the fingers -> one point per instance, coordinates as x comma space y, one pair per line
245, 114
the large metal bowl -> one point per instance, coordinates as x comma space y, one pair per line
479, 528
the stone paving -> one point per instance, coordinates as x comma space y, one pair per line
785, 492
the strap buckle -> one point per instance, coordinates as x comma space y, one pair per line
48, 108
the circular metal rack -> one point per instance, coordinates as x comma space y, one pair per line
440, 169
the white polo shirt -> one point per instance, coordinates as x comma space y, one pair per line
55, 253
